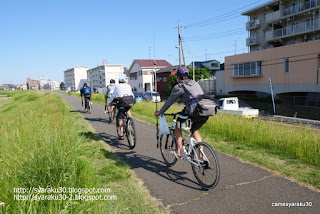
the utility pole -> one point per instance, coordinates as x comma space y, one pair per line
235, 47
155, 65
180, 46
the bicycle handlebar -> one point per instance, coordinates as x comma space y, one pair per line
173, 114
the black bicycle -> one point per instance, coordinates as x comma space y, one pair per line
204, 162
128, 128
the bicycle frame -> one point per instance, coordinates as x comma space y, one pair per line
192, 143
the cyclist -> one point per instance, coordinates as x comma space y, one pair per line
86, 92
110, 89
122, 90
69, 90
178, 92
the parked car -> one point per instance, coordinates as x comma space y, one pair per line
232, 105
153, 96
138, 97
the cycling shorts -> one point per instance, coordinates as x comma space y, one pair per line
197, 122
121, 111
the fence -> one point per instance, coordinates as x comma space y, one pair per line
313, 101
208, 85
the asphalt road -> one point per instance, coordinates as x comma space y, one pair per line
243, 187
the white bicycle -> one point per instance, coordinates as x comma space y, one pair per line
200, 155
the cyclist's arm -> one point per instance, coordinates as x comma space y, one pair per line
175, 95
114, 94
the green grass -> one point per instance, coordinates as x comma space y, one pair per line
292, 151
44, 144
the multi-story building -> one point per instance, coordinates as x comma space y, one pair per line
99, 77
142, 74
32, 84
279, 23
284, 48
75, 77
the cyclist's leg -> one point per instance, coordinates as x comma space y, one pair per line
112, 111
129, 113
178, 133
86, 102
198, 122
121, 116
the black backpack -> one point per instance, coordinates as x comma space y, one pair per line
202, 105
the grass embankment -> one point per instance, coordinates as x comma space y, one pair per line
294, 152
45, 144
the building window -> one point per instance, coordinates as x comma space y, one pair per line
164, 79
139, 72
246, 69
287, 65
214, 65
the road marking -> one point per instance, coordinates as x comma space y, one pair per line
192, 200
249, 182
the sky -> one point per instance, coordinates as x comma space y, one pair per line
45, 38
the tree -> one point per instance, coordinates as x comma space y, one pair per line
200, 73
172, 82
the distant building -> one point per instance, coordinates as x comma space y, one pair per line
75, 77
99, 77
141, 74
211, 65
32, 84
163, 75
44, 82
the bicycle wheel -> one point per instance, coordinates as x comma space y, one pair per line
168, 143
209, 172
131, 133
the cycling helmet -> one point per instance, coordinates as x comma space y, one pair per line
112, 81
122, 80
182, 72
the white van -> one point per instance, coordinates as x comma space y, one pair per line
152, 95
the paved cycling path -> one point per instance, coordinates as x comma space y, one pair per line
243, 188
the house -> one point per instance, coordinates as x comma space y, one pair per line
284, 48
99, 77
163, 78
211, 65
142, 76
75, 77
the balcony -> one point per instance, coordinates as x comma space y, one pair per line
293, 30
290, 11
253, 24
253, 41
301, 7
273, 16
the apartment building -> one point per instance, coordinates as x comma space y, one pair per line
99, 77
284, 48
279, 23
75, 77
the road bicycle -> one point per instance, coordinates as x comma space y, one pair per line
201, 156
108, 113
128, 127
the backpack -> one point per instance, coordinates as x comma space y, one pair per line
127, 101
87, 90
202, 105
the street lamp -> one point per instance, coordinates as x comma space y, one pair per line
192, 60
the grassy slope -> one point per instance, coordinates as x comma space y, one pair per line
42, 144
294, 152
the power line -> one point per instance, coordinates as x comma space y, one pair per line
214, 37
214, 34
220, 18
